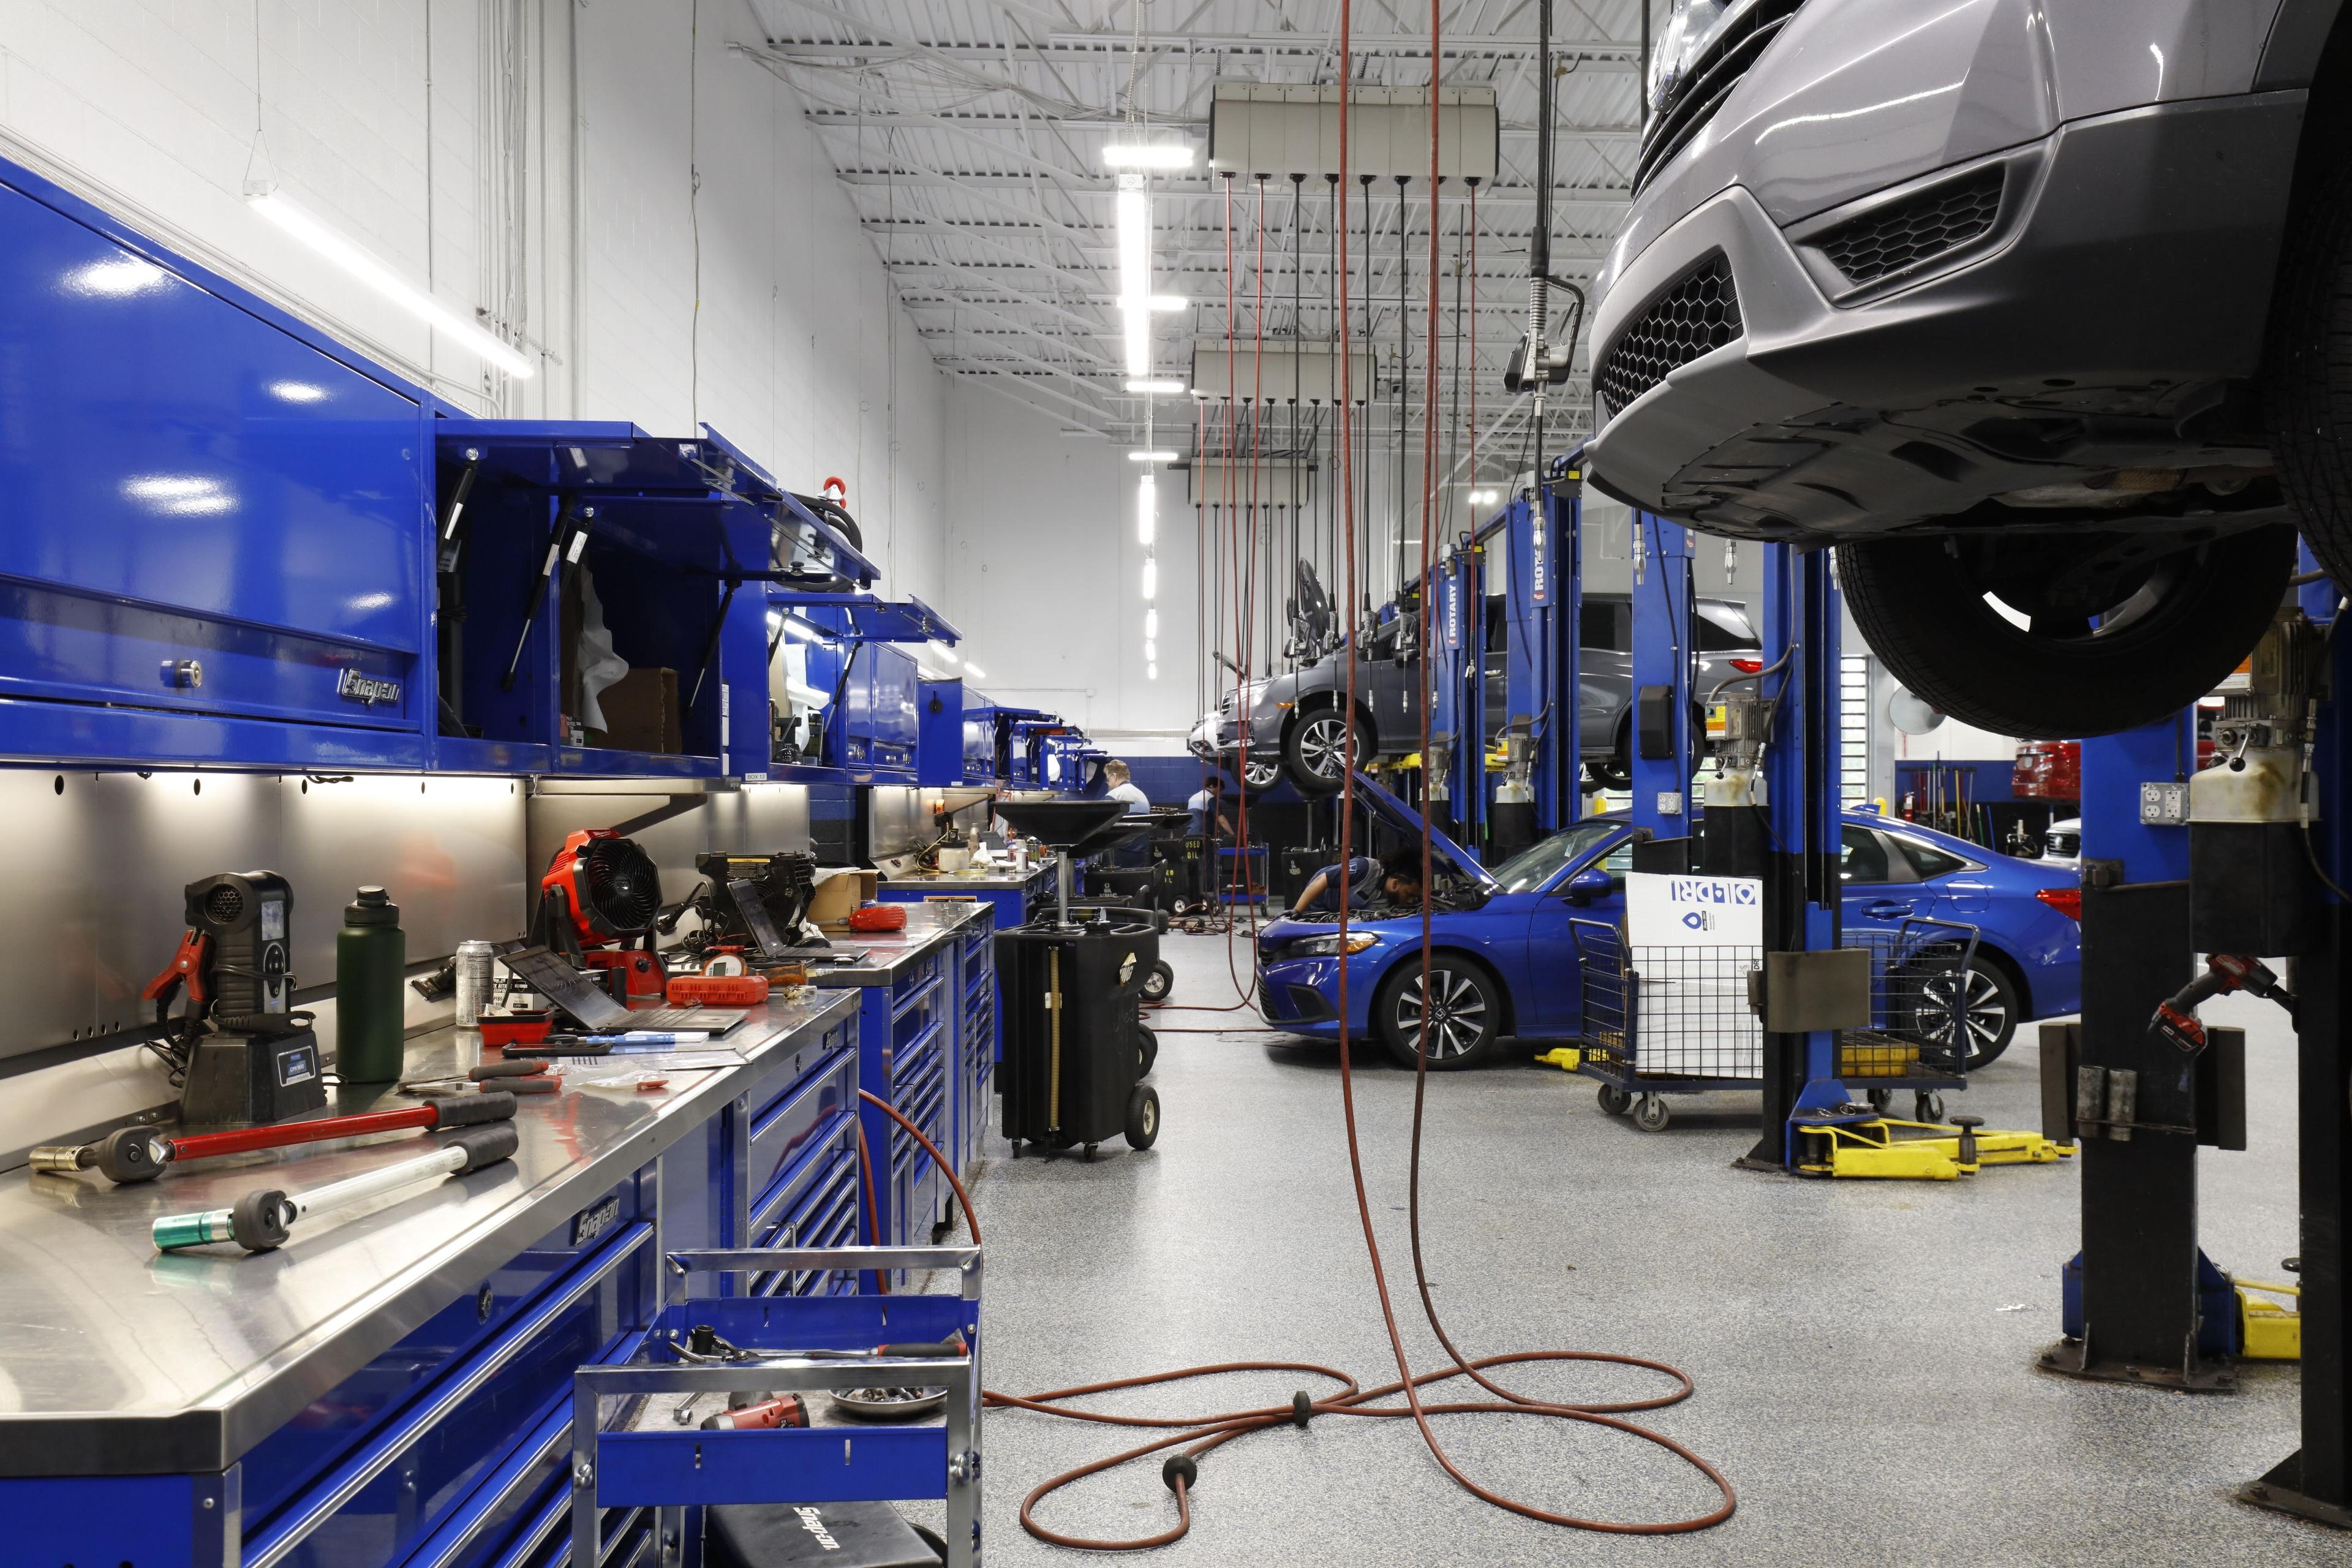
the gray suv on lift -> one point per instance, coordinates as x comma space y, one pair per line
2039, 311
1296, 728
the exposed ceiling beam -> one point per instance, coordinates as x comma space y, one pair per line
1112, 48
1513, 198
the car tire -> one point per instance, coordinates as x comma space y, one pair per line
1312, 743
1921, 607
1990, 1004
1469, 1014
2307, 370
1264, 773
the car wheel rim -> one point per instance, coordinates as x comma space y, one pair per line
1261, 776
1323, 744
1980, 1014
1457, 1014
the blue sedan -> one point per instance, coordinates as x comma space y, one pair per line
1504, 965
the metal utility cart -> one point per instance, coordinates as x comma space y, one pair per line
1676, 1020
1662, 1021
659, 1465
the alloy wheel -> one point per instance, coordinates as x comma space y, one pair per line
1457, 1014
1979, 1009
1323, 743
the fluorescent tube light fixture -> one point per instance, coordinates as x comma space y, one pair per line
1150, 577
1151, 623
1152, 457
1157, 388
1147, 508
1148, 155
305, 226
974, 671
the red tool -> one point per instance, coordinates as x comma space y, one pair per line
518, 1028
878, 916
140, 1153
787, 1410
187, 968
2175, 1017
717, 990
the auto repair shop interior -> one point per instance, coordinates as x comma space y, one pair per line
1496, 777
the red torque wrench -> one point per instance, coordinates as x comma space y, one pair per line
140, 1153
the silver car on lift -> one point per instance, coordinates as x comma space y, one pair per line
1298, 726
2034, 309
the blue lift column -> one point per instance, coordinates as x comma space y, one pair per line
1560, 799
1798, 778
1662, 744
1459, 715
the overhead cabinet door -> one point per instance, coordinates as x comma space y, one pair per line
200, 512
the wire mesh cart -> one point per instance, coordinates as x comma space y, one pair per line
775, 1344
1665, 1020
1919, 1034
1657, 1021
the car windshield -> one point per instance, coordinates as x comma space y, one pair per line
1533, 867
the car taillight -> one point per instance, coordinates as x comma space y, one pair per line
1747, 666
2067, 901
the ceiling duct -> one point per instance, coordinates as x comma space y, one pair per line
1283, 130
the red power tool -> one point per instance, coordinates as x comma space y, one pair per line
2175, 1017
599, 899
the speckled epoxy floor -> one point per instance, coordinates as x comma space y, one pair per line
1861, 1349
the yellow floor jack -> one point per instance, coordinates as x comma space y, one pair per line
2268, 1330
1887, 1150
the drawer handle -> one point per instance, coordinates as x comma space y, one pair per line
356, 1474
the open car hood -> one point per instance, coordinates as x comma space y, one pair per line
1382, 803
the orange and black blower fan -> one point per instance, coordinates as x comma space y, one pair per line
599, 900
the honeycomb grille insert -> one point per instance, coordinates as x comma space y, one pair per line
1698, 314
1907, 233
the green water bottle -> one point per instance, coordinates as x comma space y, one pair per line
371, 965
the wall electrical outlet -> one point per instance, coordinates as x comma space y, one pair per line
2164, 806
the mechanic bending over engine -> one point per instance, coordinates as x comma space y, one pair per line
1394, 877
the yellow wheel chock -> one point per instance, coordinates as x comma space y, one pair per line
1567, 1058
1887, 1150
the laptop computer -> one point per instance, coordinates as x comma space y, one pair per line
762, 924
588, 1005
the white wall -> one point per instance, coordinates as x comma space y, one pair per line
1045, 575
535, 159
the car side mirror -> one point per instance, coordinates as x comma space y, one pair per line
1593, 882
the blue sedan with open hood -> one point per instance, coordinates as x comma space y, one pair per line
1503, 963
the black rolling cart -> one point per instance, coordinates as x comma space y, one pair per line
1070, 990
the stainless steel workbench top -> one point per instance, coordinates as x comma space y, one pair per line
115, 1359
928, 926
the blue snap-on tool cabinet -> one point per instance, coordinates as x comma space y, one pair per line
397, 1388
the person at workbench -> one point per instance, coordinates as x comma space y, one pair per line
1122, 787
1395, 876
1207, 805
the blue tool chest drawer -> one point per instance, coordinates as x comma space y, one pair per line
381, 1461
800, 1119
216, 526
815, 1204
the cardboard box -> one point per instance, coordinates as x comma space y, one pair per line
641, 713
839, 889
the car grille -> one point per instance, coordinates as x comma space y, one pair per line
1708, 82
1906, 233
1697, 314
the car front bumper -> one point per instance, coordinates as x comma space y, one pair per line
2127, 272
1300, 995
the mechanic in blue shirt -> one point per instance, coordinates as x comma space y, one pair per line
1395, 876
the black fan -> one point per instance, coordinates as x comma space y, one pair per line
620, 889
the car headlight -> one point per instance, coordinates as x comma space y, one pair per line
1693, 25
1333, 945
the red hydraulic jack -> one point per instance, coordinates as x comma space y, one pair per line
140, 1153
